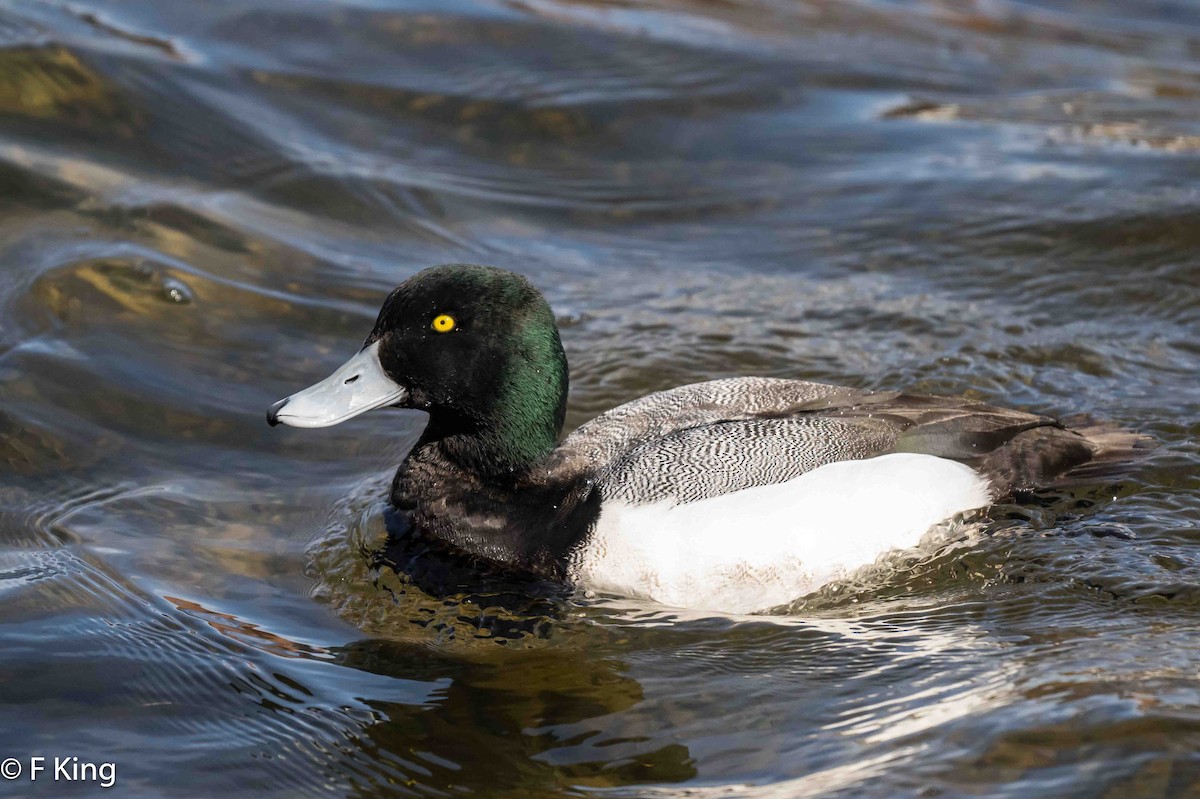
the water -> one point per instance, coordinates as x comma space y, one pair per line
203, 204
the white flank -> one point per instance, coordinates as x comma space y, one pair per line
764, 546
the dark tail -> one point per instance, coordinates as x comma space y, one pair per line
1053, 456
1114, 451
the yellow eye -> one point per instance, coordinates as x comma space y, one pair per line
443, 323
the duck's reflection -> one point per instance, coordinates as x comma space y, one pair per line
521, 707
516, 723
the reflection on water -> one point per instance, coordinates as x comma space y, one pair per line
202, 205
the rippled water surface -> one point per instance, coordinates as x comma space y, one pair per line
203, 204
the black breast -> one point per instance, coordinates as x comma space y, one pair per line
522, 523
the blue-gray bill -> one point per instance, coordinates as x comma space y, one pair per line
357, 386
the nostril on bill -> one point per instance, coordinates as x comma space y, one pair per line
350, 380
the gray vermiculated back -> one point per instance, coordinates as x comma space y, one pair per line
711, 438
697, 463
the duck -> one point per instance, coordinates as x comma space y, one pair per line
732, 495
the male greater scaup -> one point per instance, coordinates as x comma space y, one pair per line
734, 495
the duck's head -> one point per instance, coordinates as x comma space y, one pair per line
474, 346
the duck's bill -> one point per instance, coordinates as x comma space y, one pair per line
359, 385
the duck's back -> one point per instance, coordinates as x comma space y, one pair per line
743, 493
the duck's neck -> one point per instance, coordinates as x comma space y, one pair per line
500, 451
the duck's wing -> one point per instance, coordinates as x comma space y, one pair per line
714, 438
1014, 450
